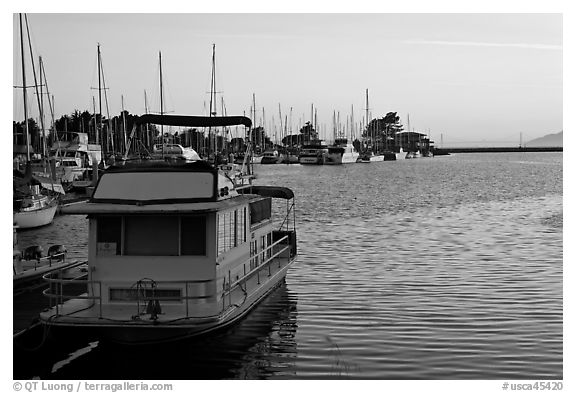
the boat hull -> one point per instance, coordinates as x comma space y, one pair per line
35, 218
315, 160
134, 331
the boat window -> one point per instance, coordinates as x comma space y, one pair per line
241, 226
231, 229
193, 235
260, 210
151, 235
268, 243
226, 231
108, 235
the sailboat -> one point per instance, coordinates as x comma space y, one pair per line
31, 208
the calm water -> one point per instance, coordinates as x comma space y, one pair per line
443, 268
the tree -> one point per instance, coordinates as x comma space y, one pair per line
381, 131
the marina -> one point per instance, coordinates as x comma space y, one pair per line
167, 225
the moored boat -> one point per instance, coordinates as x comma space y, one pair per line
313, 153
176, 249
334, 155
271, 156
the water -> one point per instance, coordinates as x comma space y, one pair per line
443, 268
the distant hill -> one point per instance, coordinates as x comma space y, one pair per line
550, 140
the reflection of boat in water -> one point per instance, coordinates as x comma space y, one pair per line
175, 249
268, 331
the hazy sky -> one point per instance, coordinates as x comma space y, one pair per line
470, 78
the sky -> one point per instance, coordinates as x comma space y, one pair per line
466, 79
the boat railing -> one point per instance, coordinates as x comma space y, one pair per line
58, 294
261, 261
52, 258
55, 292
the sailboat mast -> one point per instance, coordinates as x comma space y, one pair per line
161, 101
99, 97
352, 133
254, 122
124, 124
24, 93
211, 138
368, 120
161, 93
146, 111
38, 94
44, 147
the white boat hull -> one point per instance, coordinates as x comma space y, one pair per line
84, 314
35, 218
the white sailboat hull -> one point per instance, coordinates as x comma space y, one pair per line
35, 218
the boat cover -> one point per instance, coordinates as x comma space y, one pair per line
268, 191
194, 121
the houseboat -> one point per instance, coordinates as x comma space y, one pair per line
176, 248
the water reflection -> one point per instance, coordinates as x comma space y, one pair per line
262, 345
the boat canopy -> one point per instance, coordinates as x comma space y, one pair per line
269, 191
194, 121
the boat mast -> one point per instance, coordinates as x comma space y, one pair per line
24, 93
124, 124
161, 102
368, 121
212, 97
146, 111
110, 133
38, 94
44, 146
99, 97
254, 125
50, 102
281, 128
352, 133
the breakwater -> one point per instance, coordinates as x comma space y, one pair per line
496, 149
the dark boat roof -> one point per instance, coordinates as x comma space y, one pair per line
194, 121
172, 208
269, 191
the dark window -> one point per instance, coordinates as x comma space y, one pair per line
260, 210
109, 235
133, 294
193, 235
151, 235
